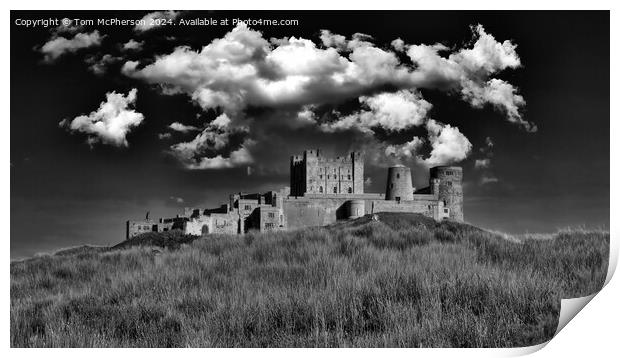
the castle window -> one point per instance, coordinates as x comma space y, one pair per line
320, 189
397, 175
445, 211
349, 177
335, 190
247, 207
268, 225
350, 190
320, 177
449, 183
271, 215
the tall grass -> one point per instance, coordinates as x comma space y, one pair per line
402, 281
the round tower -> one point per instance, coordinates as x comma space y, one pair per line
399, 184
450, 189
356, 208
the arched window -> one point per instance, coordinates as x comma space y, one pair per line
320, 189
350, 190
397, 175
335, 190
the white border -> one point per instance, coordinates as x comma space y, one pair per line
593, 332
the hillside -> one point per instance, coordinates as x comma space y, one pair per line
401, 281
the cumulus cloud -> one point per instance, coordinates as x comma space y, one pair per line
501, 95
333, 40
202, 151
398, 45
468, 71
236, 158
393, 111
448, 144
406, 150
111, 122
59, 45
163, 136
180, 127
133, 45
296, 76
150, 20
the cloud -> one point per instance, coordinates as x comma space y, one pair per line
177, 199
482, 163
133, 45
243, 69
179, 127
294, 80
150, 20
111, 122
333, 40
468, 71
398, 45
163, 136
489, 142
58, 46
448, 144
488, 180
392, 111
236, 158
66, 27
406, 150
499, 94
202, 151
99, 65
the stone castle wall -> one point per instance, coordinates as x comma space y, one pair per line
323, 190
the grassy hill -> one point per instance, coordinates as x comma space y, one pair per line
403, 280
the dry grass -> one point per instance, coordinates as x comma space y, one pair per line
405, 281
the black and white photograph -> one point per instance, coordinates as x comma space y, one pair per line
306, 178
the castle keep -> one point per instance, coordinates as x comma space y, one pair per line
322, 190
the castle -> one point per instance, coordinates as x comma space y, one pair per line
322, 190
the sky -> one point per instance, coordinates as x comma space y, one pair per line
110, 121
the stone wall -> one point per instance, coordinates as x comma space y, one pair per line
138, 227
317, 210
216, 223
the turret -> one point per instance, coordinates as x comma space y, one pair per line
450, 189
399, 184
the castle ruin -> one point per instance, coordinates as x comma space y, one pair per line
322, 191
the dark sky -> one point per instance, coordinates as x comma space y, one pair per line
65, 192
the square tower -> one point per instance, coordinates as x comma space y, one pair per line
313, 173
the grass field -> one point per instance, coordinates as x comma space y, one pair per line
402, 281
